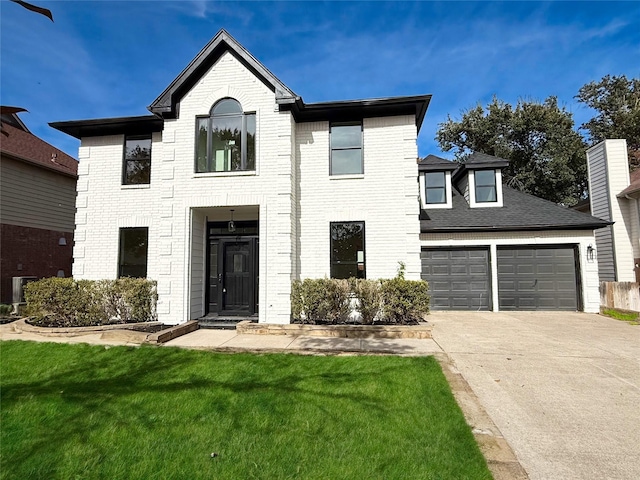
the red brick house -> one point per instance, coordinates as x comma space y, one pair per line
37, 206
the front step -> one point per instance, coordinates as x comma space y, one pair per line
223, 323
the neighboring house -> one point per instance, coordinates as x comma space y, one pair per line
37, 207
614, 194
486, 246
235, 187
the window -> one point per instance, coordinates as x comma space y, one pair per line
435, 188
226, 139
485, 182
137, 160
133, 252
347, 250
346, 149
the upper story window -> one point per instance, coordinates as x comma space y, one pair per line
347, 250
346, 149
485, 186
435, 188
137, 160
226, 139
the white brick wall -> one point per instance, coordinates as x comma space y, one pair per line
175, 204
583, 238
385, 197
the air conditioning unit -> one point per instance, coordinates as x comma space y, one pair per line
18, 287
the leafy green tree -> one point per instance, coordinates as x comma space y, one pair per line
547, 156
616, 100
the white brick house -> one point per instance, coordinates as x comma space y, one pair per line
234, 187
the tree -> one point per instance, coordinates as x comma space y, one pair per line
547, 156
617, 103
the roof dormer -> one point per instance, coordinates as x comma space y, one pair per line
435, 175
480, 180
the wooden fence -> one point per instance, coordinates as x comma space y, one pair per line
622, 295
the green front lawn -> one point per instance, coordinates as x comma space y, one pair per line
80, 411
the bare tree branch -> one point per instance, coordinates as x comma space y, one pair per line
34, 8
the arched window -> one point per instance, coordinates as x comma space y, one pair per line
226, 139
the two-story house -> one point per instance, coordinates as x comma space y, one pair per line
37, 208
234, 187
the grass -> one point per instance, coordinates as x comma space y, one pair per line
624, 315
80, 411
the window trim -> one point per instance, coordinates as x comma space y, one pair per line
209, 146
448, 191
361, 148
121, 246
473, 203
125, 160
364, 248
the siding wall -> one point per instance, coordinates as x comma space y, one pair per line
608, 175
36, 198
588, 268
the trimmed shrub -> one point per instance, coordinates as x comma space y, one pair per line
321, 300
369, 296
64, 302
128, 300
5, 310
404, 301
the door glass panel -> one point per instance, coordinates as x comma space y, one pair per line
238, 263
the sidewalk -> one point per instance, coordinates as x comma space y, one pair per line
230, 340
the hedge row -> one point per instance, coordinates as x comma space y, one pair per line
393, 301
76, 303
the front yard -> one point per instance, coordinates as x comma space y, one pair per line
79, 411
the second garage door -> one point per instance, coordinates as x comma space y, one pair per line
458, 278
537, 278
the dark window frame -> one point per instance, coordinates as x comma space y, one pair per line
332, 125
333, 263
493, 185
121, 246
442, 188
209, 157
125, 160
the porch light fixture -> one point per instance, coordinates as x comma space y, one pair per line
232, 225
62, 241
590, 252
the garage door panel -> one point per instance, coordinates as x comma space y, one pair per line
458, 278
537, 278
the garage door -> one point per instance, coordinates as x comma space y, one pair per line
458, 278
537, 278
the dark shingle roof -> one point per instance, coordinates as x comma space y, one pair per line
521, 211
431, 163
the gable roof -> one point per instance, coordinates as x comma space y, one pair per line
521, 211
434, 163
479, 161
26, 147
166, 106
167, 102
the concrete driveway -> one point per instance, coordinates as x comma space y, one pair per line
563, 388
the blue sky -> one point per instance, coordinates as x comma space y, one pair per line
112, 58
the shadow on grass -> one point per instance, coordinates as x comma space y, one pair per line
94, 387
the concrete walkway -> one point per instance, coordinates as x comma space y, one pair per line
563, 388
206, 339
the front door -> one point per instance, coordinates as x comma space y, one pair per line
233, 276
236, 283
